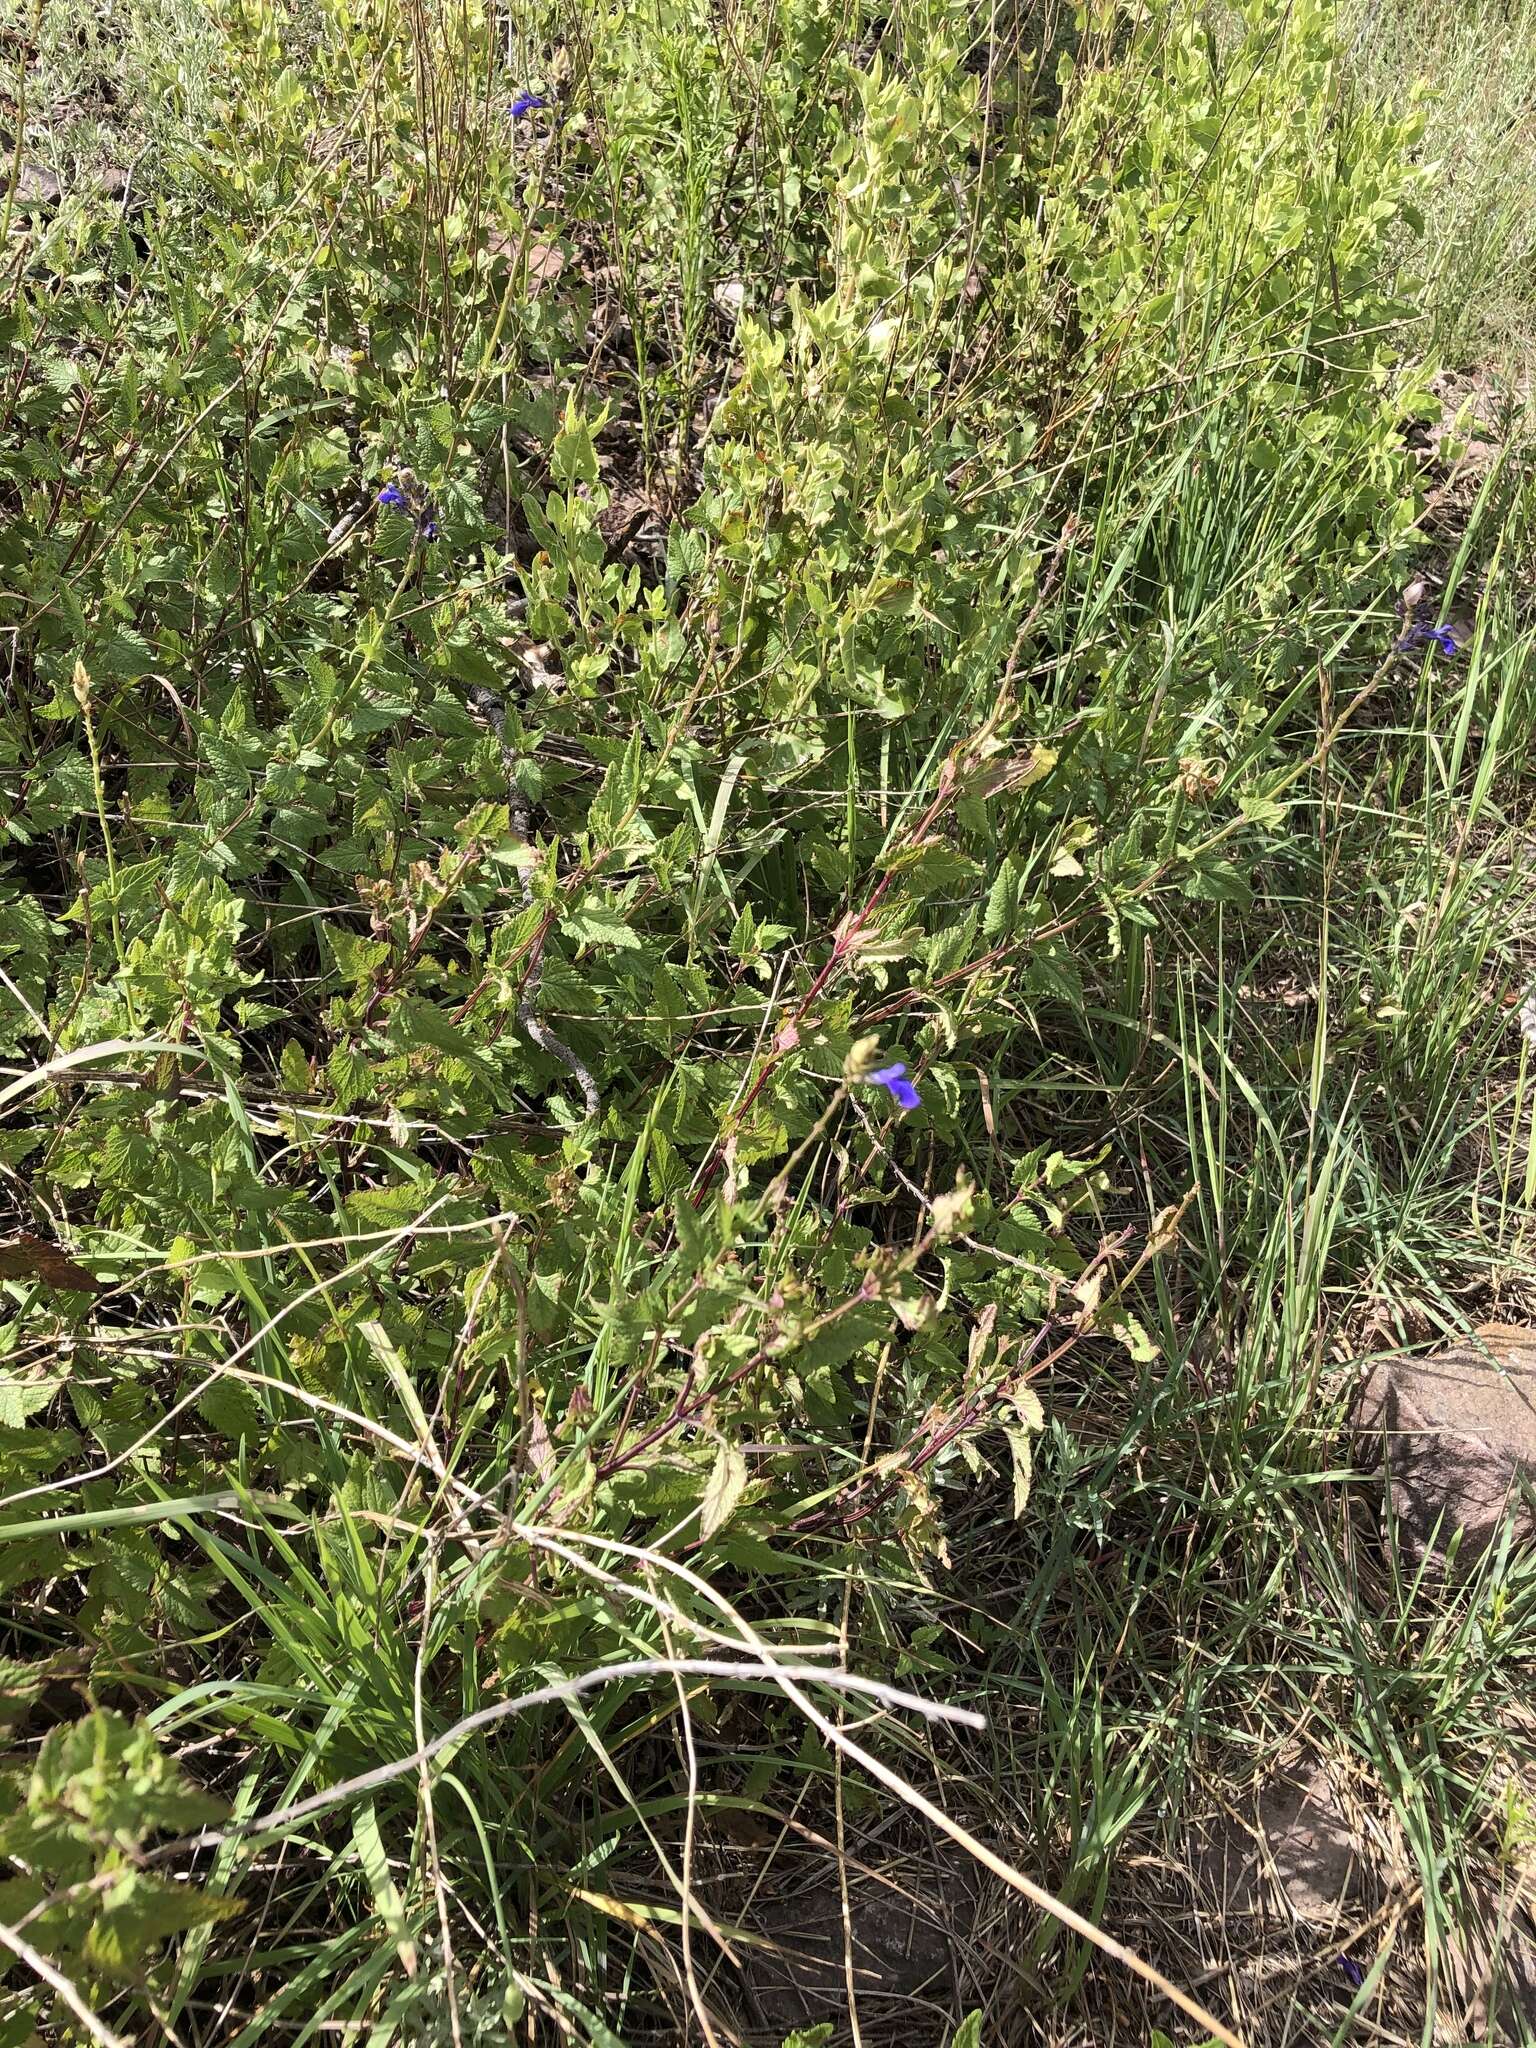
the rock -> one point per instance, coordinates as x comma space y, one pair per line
1291, 1893
36, 188
1456, 1435
1294, 1855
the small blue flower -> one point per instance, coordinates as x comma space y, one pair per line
1425, 636
401, 501
527, 103
894, 1077
1352, 1971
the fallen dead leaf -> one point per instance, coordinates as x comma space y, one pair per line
32, 1258
542, 262
545, 263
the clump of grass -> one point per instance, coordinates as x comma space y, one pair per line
113, 88
1476, 65
548, 651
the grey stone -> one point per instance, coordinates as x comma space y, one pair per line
1456, 1436
36, 187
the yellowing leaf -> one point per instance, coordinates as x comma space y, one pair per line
981, 1336
915, 1311
1023, 1468
1089, 1291
1165, 1226
1132, 1334
921, 1524
1079, 834
953, 1211
863, 1054
1026, 1405
631, 1912
1016, 771
727, 1483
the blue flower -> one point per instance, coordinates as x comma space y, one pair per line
1352, 1971
894, 1077
527, 103
1425, 636
400, 501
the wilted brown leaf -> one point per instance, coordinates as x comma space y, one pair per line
31, 1258
545, 262
541, 262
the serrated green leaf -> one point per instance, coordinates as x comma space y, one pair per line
1002, 911
591, 926
142, 1911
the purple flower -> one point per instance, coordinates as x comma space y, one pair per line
894, 1077
527, 103
1352, 1971
1423, 636
399, 501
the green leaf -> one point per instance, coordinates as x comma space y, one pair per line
1260, 809
233, 1410
968, 2033
357, 959
592, 926
573, 459
369, 1844
352, 1075
103, 1776
837, 1341
20, 1399
294, 1068
1002, 913
34, 1452
611, 813
1218, 881
140, 1912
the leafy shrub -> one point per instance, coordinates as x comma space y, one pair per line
350, 834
